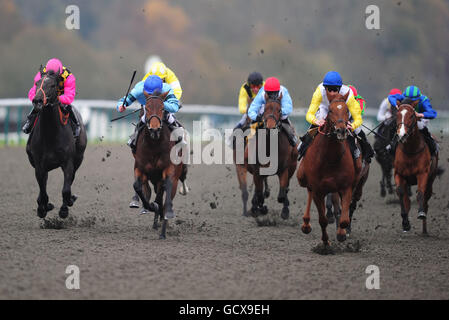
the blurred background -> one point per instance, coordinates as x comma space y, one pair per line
212, 45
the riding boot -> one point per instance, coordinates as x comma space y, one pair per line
353, 147
76, 125
286, 125
302, 148
433, 146
132, 142
367, 150
175, 125
28, 126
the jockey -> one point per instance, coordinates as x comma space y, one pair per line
423, 109
167, 76
171, 105
385, 111
319, 106
66, 94
248, 92
273, 89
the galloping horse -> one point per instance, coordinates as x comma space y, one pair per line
328, 167
286, 159
52, 145
153, 162
413, 165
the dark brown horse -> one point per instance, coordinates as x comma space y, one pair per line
328, 167
286, 160
153, 162
413, 165
51, 144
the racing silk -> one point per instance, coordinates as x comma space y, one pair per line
245, 95
66, 87
384, 110
171, 104
319, 106
423, 105
172, 80
258, 103
362, 103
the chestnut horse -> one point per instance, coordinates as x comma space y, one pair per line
413, 165
286, 160
153, 162
328, 167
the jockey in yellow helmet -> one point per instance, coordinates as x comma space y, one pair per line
167, 75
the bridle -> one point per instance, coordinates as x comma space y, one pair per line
331, 123
41, 89
154, 115
273, 114
410, 126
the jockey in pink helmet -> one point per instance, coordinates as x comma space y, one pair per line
66, 93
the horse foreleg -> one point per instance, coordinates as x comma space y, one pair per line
266, 192
320, 205
404, 200
42, 201
146, 191
283, 191
67, 200
329, 212
138, 188
159, 214
170, 190
258, 199
241, 176
135, 199
306, 227
346, 196
422, 184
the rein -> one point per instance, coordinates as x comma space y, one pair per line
154, 115
273, 115
63, 118
409, 133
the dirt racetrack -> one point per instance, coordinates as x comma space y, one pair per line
211, 251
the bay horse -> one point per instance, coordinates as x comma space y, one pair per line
52, 145
413, 165
328, 167
286, 159
153, 162
241, 167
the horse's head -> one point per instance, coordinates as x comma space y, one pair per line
272, 112
46, 90
338, 117
406, 120
154, 112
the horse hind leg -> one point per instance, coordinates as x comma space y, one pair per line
67, 199
320, 205
241, 176
266, 192
138, 188
405, 204
306, 227
329, 212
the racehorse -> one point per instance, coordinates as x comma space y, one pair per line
52, 145
413, 164
328, 167
153, 162
385, 156
242, 170
286, 159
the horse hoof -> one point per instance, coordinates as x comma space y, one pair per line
41, 213
341, 237
406, 226
348, 231
155, 226
183, 191
246, 214
154, 207
50, 206
422, 215
134, 204
63, 212
285, 213
162, 237
281, 199
266, 194
144, 211
169, 214
72, 200
263, 210
306, 229
383, 193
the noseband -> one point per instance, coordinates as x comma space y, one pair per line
154, 115
409, 127
273, 114
330, 122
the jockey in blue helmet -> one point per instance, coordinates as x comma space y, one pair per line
151, 84
423, 109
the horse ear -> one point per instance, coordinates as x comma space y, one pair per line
280, 96
164, 95
398, 103
146, 94
41, 70
414, 103
266, 96
345, 97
